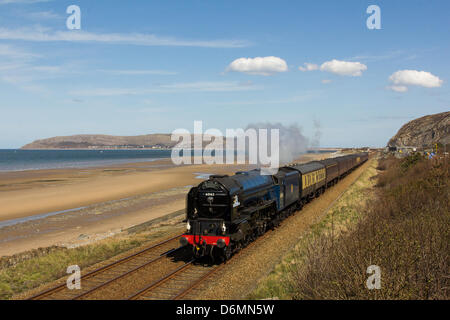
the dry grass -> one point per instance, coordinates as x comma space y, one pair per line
402, 225
43, 266
344, 212
25, 271
405, 232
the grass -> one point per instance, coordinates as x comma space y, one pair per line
404, 229
22, 272
344, 212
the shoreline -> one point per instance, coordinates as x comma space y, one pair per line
71, 207
13, 183
33, 192
68, 207
16, 160
100, 163
88, 166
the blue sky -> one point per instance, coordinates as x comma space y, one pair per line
139, 67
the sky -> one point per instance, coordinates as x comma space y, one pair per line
139, 67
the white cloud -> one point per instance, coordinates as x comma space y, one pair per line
10, 66
169, 88
398, 88
25, 75
308, 67
8, 51
139, 72
344, 68
44, 35
386, 56
415, 78
259, 65
294, 99
209, 86
48, 69
22, 1
24, 70
325, 81
41, 15
15, 66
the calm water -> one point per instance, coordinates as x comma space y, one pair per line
17, 160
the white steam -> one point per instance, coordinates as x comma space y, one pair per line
292, 142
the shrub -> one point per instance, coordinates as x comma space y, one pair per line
406, 232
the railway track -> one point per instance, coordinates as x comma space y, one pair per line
176, 284
179, 282
101, 277
182, 282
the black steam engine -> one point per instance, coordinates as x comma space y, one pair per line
225, 213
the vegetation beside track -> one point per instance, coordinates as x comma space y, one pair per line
29, 270
404, 228
344, 212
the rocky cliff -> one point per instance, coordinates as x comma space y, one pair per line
424, 132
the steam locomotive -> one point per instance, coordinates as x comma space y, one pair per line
225, 213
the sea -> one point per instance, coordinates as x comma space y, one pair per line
21, 160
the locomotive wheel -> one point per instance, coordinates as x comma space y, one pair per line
211, 255
246, 241
275, 223
261, 229
227, 252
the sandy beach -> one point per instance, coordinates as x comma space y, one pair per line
34, 192
96, 202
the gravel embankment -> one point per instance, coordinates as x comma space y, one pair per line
241, 275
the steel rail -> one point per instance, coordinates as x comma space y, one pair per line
197, 282
159, 282
101, 269
81, 295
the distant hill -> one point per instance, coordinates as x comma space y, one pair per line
101, 141
85, 141
423, 132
